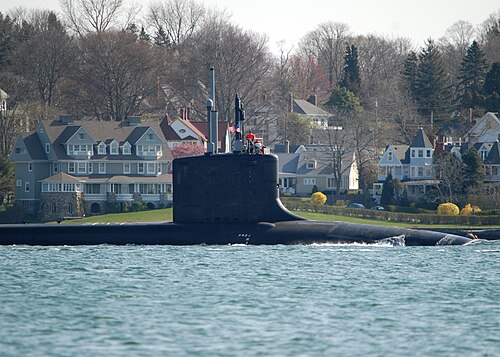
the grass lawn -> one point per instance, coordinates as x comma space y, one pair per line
165, 215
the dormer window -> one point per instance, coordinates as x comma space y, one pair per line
311, 164
389, 156
101, 149
126, 149
47, 148
113, 148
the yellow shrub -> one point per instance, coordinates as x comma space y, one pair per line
468, 210
449, 209
318, 198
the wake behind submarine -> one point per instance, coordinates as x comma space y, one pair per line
224, 199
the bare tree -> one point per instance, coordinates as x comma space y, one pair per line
46, 58
86, 16
327, 44
489, 37
450, 173
241, 60
115, 74
179, 19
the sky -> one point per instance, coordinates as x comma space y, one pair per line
290, 20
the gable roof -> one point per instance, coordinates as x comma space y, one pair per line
489, 122
494, 154
34, 146
421, 140
301, 106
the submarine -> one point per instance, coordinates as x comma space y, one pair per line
222, 199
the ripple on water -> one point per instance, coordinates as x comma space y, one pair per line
226, 300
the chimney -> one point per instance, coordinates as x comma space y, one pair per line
313, 99
287, 146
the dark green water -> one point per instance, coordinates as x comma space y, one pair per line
320, 300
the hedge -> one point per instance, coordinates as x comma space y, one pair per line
423, 218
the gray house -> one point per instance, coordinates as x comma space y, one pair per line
411, 164
68, 168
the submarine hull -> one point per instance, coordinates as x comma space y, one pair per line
263, 233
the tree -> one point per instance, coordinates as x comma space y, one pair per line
387, 191
343, 101
115, 73
46, 59
432, 92
326, 43
186, 150
177, 19
471, 78
6, 177
294, 128
85, 16
474, 174
450, 173
351, 79
491, 88
409, 73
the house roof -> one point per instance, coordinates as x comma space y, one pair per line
301, 106
34, 146
421, 140
494, 155
287, 163
101, 131
401, 152
61, 177
488, 123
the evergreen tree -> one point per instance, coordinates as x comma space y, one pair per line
431, 88
6, 177
471, 78
473, 171
491, 88
351, 79
387, 191
143, 35
160, 38
409, 73
342, 100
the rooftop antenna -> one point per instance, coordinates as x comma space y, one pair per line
212, 117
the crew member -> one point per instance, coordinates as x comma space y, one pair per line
250, 142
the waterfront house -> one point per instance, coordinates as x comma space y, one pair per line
69, 168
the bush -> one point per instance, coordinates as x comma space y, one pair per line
448, 209
318, 198
469, 210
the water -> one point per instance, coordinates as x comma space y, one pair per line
320, 300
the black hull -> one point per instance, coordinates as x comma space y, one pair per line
289, 232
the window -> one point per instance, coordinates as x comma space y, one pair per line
101, 149
126, 149
47, 148
413, 154
126, 168
309, 181
150, 137
311, 164
82, 167
389, 156
330, 182
114, 148
30, 166
382, 170
81, 136
71, 167
102, 167
27, 186
19, 151
55, 167
151, 168
420, 153
428, 153
158, 168
420, 171
19, 183
89, 167
140, 168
